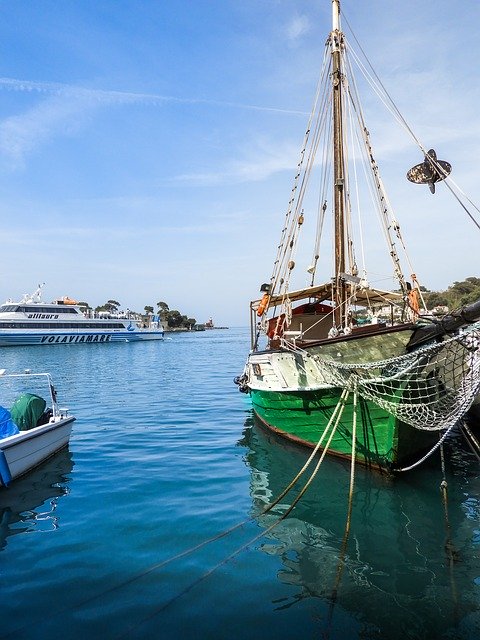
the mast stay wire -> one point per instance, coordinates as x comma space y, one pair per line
282, 247
320, 125
322, 205
376, 85
356, 147
387, 213
374, 181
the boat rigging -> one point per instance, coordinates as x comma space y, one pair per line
344, 339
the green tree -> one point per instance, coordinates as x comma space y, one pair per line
190, 323
148, 310
174, 319
436, 299
112, 306
163, 311
457, 294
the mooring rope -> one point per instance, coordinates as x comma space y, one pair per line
341, 559
471, 440
283, 516
449, 548
334, 419
427, 455
338, 409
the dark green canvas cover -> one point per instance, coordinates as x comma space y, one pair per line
27, 410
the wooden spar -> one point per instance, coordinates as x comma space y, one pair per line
338, 168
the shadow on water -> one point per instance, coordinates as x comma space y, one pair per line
30, 502
409, 571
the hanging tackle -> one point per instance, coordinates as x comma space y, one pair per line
430, 171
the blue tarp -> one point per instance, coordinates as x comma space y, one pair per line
5, 476
7, 426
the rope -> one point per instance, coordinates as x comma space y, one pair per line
427, 455
375, 184
341, 560
449, 548
289, 232
340, 406
244, 546
389, 103
336, 416
471, 440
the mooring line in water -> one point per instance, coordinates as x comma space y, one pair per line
134, 578
346, 534
336, 416
427, 455
449, 548
341, 402
471, 440
189, 587
247, 544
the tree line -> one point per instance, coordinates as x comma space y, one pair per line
171, 317
456, 295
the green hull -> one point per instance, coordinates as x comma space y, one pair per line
302, 416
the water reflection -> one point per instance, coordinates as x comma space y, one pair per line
29, 503
409, 570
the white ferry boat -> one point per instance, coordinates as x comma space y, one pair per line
32, 321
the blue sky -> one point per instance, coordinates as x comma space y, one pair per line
147, 148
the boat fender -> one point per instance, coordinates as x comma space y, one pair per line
263, 305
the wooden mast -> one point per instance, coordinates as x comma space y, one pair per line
336, 39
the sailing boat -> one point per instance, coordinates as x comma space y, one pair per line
343, 365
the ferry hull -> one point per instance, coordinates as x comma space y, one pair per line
43, 338
382, 441
26, 450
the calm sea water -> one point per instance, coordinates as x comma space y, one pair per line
164, 456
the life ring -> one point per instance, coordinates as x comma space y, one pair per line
263, 305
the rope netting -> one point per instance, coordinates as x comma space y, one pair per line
430, 388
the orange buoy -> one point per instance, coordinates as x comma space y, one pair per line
263, 305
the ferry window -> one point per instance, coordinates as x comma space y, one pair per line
50, 310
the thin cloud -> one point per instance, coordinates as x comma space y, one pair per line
20, 135
66, 107
267, 160
126, 97
71, 236
297, 28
